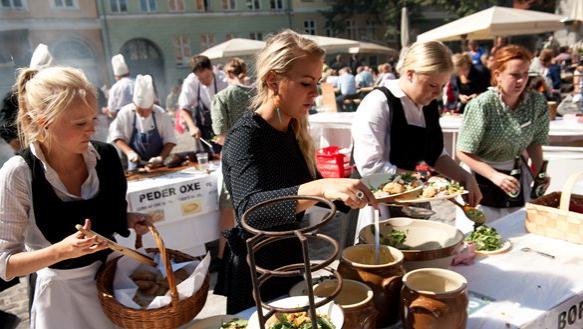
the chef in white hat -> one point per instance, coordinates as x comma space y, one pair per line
122, 90
142, 130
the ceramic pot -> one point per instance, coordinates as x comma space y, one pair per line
434, 298
358, 263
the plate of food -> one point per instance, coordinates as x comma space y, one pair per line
330, 316
488, 241
220, 322
436, 188
386, 187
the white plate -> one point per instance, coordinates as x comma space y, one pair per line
440, 197
214, 322
333, 311
375, 180
506, 245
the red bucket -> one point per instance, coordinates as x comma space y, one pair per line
331, 163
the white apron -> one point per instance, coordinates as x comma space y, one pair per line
68, 299
465, 225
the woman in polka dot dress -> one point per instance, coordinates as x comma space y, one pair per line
269, 154
499, 125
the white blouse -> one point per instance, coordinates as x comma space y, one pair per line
18, 229
371, 129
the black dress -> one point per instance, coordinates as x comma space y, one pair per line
477, 84
260, 163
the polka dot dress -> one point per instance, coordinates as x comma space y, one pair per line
259, 164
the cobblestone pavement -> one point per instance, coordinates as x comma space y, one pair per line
15, 299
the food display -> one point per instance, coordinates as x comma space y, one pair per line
234, 324
485, 238
395, 185
438, 186
299, 320
153, 284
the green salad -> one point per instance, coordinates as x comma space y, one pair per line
234, 324
300, 320
394, 239
485, 238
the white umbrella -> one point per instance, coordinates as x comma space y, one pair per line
371, 48
233, 48
404, 28
332, 44
576, 12
495, 21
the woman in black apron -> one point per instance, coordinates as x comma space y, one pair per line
269, 154
61, 179
396, 127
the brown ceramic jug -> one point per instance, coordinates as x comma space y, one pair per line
358, 263
355, 299
434, 298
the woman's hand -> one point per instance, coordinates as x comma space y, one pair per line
350, 191
475, 195
138, 222
507, 183
77, 244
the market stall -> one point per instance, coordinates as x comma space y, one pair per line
183, 205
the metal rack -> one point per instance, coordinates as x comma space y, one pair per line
263, 238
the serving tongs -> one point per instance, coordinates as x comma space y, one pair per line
117, 247
475, 215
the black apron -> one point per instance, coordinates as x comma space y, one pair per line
107, 210
202, 119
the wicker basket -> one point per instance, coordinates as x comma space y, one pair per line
549, 215
174, 315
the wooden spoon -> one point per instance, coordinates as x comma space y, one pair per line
475, 215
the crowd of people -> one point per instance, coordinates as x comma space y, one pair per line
60, 177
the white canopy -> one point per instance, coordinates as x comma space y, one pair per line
371, 48
332, 44
495, 21
233, 48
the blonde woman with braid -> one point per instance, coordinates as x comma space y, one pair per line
59, 180
269, 154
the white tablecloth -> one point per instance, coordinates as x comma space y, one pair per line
188, 202
528, 290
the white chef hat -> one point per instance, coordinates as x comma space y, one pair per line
144, 91
119, 65
41, 57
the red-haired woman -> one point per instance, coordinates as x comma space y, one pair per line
499, 125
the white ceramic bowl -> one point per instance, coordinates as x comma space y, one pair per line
333, 311
431, 243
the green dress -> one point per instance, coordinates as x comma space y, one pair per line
496, 133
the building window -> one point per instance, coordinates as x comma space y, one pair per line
253, 4
176, 5
148, 6
371, 29
229, 36
65, 4
276, 4
310, 27
13, 4
119, 6
351, 29
202, 5
256, 35
182, 49
228, 4
329, 31
207, 40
